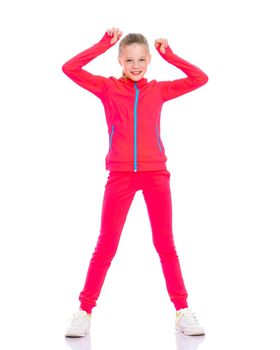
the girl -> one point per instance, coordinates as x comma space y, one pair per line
136, 161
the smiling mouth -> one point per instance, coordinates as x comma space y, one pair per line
136, 72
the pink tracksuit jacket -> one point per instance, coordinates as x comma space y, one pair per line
133, 109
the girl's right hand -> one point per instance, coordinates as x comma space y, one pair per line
116, 33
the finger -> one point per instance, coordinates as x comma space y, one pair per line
157, 42
112, 31
160, 41
115, 36
116, 32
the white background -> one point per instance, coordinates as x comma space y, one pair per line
222, 144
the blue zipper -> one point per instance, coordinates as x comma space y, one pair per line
135, 128
158, 139
111, 136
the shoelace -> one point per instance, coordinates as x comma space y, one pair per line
77, 318
190, 316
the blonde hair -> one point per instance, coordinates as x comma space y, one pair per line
133, 38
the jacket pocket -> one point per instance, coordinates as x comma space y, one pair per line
158, 139
111, 137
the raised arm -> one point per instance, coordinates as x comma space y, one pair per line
195, 76
73, 68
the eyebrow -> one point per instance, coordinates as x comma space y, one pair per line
139, 57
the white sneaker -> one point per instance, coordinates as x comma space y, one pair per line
187, 323
79, 324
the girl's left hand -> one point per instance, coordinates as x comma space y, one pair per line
163, 44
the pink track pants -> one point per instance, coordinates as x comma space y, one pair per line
118, 196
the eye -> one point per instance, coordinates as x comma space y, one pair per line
128, 60
143, 59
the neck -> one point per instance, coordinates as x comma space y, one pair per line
131, 82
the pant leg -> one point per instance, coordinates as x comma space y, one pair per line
157, 196
118, 196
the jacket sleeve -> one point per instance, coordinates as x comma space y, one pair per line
195, 77
73, 68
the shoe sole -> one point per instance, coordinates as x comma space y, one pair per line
76, 334
182, 330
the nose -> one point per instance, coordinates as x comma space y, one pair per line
135, 65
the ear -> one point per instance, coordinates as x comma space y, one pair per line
119, 61
150, 58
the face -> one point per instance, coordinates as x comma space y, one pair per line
134, 60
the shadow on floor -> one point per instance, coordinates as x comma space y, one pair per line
183, 342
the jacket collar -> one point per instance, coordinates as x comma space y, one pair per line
130, 82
